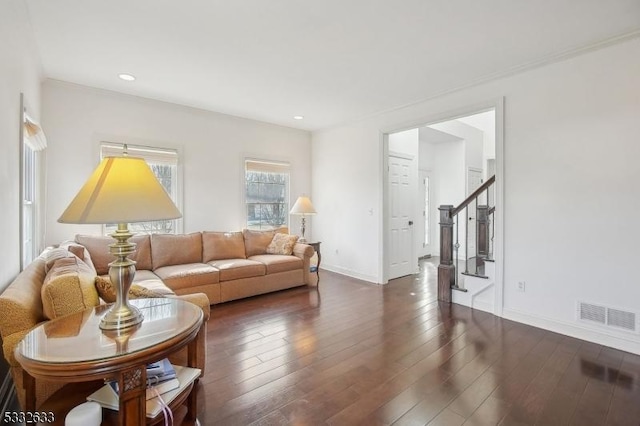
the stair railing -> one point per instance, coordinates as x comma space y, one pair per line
484, 234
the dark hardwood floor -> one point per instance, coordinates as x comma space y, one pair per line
357, 353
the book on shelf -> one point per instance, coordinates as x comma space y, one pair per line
159, 372
185, 376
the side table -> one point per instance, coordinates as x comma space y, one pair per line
316, 247
74, 349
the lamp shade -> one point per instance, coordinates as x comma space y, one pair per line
121, 190
303, 206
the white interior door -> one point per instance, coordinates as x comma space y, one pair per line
425, 225
400, 253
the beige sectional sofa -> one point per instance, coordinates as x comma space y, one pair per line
223, 265
204, 268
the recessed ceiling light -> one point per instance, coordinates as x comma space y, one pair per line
126, 77
298, 117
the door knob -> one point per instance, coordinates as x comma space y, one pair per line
410, 223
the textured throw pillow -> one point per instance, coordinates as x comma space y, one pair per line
256, 242
68, 287
282, 244
108, 293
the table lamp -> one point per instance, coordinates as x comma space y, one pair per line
121, 190
302, 207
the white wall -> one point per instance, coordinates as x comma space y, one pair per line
570, 186
19, 72
212, 146
473, 142
449, 180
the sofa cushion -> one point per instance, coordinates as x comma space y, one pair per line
256, 242
233, 269
282, 244
169, 249
188, 275
222, 245
98, 247
150, 280
278, 263
68, 287
107, 292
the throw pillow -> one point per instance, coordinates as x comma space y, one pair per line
68, 287
108, 293
282, 244
256, 242
51, 254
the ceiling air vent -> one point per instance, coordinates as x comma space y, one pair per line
607, 316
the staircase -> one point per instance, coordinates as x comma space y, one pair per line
466, 274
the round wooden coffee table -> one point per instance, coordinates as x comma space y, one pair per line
74, 349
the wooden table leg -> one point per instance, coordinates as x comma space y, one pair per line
133, 407
29, 384
192, 356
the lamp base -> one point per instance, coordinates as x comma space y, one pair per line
121, 272
124, 317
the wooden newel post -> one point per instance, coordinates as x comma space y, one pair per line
482, 229
446, 269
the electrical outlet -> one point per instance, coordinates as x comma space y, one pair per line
522, 286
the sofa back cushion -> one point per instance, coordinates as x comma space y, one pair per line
222, 245
68, 287
256, 242
168, 249
98, 247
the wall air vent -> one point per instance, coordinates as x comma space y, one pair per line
622, 319
593, 313
610, 317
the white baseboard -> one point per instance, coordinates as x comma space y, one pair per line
483, 306
349, 273
628, 343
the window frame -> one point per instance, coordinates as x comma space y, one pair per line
266, 165
29, 166
162, 155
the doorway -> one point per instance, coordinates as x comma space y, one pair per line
452, 158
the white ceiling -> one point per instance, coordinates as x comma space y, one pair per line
331, 61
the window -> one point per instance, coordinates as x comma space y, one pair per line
33, 141
164, 164
29, 179
266, 194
